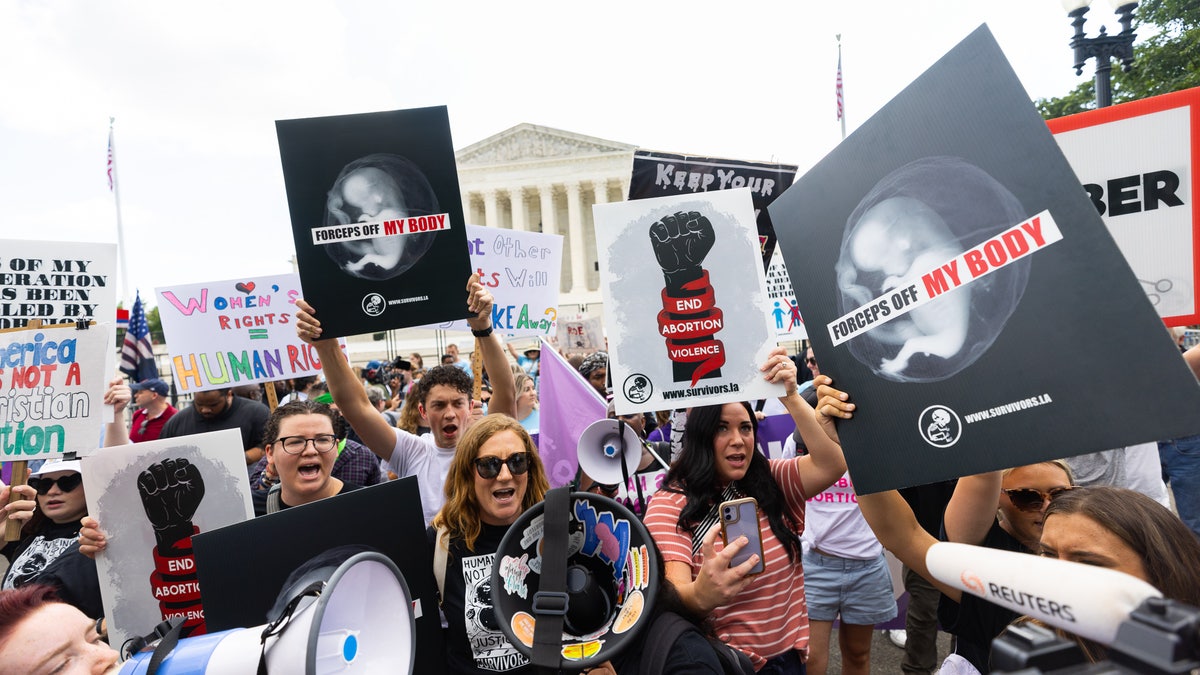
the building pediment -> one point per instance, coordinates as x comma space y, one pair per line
529, 142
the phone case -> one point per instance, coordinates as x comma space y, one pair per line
740, 517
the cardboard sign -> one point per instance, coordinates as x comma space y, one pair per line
784, 310
52, 383
1138, 164
240, 331
57, 282
521, 270
377, 219
660, 174
151, 498
581, 336
954, 277
239, 593
684, 301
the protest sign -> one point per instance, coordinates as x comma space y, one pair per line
57, 282
151, 498
954, 279
52, 382
376, 218
784, 311
667, 301
581, 336
238, 595
521, 270
1138, 163
239, 331
660, 174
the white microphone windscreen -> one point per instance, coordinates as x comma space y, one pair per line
1082, 599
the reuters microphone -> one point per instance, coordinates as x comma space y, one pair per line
1085, 600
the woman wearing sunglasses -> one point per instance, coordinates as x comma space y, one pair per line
495, 475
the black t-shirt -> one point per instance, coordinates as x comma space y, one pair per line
976, 621
52, 557
474, 642
250, 417
29, 556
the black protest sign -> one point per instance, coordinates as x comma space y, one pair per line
377, 219
660, 174
963, 289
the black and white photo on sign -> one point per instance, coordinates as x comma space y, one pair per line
678, 274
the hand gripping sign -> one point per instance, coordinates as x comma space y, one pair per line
690, 317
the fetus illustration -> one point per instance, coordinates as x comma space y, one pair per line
375, 188
916, 219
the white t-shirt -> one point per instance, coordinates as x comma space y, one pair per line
419, 456
833, 522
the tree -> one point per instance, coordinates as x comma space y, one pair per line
154, 322
1167, 61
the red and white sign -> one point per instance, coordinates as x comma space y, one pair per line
1138, 163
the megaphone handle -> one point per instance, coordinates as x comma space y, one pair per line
625, 468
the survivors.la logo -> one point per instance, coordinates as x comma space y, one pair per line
690, 318
939, 426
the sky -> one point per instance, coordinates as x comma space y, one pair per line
195, 89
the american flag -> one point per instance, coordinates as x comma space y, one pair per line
137, 355
111, 159
841, 107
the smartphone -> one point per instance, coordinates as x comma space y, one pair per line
740, 517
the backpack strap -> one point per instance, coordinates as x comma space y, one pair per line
440, 561
663, 633
274, 503
550, 601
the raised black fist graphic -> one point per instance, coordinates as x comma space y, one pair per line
680, 243
171, 491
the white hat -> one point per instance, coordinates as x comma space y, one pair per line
57, 465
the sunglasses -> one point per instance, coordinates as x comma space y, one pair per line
65, 483
1029, 499
489, 467
811, 361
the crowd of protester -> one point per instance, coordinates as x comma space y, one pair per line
478, 468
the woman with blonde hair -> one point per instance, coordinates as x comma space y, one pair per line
495, 475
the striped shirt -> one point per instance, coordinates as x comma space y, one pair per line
770, 616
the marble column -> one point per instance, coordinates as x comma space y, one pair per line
549, 215
491, 209
516, 196
575, 229
600, 188
466, 206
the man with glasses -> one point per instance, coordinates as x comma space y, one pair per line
153, 410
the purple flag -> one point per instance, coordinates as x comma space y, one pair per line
773, 432
569, 405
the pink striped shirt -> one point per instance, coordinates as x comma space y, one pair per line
770, 616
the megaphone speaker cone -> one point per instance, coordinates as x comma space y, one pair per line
600, 451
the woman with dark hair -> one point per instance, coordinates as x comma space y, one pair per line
763, 615
41, 634
495, 475
301, 448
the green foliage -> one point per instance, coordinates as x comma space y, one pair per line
1167, 61
155, 323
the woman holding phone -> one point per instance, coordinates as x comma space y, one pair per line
719, 464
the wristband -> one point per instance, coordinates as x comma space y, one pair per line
482, 333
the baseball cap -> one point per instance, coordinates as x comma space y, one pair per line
155, 385
57, 465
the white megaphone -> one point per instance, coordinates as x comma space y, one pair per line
600, 451
361, 621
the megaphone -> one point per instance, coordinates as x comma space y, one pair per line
360, 620
600, 451
612, 577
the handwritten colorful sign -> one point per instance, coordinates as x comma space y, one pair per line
240, 331
51, 390
581, 336
522, 270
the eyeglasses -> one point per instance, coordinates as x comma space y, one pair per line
294, 445
489, 467
1029, 499
65, 483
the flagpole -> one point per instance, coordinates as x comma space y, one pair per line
115, 186
840, 97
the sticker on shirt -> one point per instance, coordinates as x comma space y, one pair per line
491, 650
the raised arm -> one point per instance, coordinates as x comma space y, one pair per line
345, 387
504, 396
824, 464
890, 517
117, 395
971, 510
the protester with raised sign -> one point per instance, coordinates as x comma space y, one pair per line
493, 478
447, 405
1019, 510
719, 463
